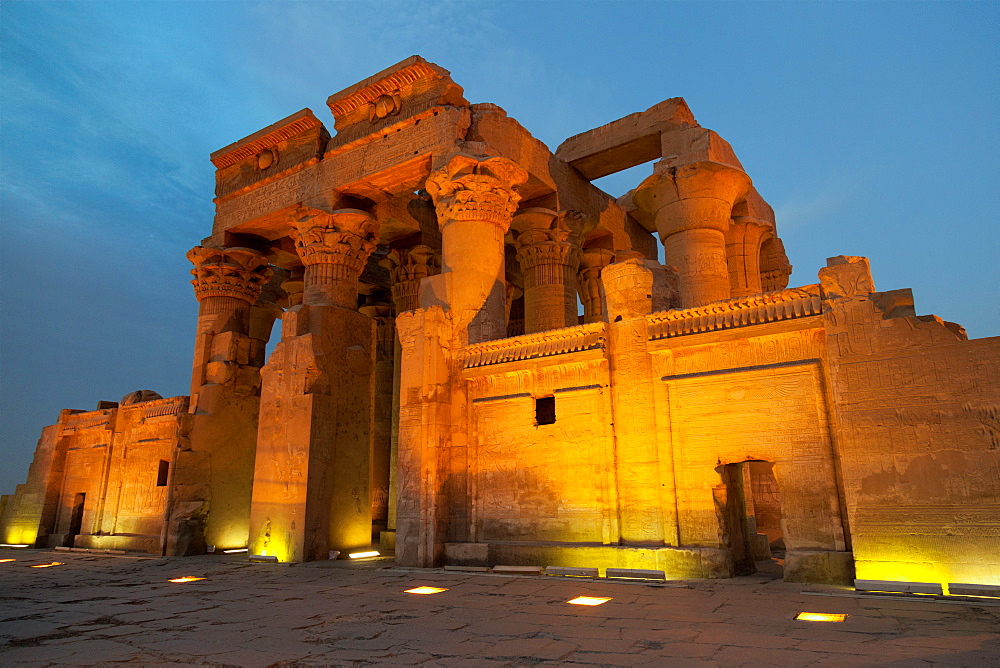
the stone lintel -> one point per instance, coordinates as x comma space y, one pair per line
270, 136
626, 142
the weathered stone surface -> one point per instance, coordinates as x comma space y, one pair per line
701, 417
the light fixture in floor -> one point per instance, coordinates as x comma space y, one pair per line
588, 600
49, 565
425, 590
364, 555
186, 578
820, 617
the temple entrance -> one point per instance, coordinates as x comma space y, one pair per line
76, 519
751, 513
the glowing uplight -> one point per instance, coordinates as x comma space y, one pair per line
186, 578
13, 545
236, 550
4, 561
362, 555
425, 590
48, 565
820, 617
588, 600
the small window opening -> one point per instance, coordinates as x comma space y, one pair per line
545, 410
161, 474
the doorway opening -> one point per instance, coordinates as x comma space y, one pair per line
751, 514
76, 519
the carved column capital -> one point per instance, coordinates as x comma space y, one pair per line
588, 281
775, 269
546, 237
548, 250
406, 269
236, 273
481, 190
345, 237
334, 248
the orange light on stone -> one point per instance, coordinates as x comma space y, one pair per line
186, 578
48, 565
820, 617
425, 590
363, 555
588, 600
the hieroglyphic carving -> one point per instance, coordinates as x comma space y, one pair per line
739, 353
273, 196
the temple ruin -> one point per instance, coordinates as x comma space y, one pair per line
435, 389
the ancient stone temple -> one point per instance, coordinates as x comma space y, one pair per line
480, 361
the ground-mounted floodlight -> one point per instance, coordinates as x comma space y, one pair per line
14, 545
588, 600
364, 555
263, 559
236, 550
186, 578
820, 617
4, 561
425, 590
49, 565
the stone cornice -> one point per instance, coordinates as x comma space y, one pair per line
386, 82
270, 136
539, 344
740, 312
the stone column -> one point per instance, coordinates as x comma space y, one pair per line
743, 239
475, 200
334, 248
311, 491
548, 249
227, 282
588, 282
212, 473
774, 266
406, 269
692, 205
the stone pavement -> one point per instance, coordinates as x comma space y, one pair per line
117, 610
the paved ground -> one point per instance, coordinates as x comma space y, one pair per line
113, 610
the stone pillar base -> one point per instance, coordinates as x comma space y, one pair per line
820, 567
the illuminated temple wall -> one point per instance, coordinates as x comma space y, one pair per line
99, 479
697, 415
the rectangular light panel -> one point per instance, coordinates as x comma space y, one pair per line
820, 617
425, 590
588, 600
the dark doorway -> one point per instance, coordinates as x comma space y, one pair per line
76, 519
730, 501
751, 509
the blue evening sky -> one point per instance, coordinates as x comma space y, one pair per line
870, 127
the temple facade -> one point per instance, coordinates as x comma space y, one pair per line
481, 361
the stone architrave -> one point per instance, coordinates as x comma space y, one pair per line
221, 434
475, 201
312, 482
548, 249
588, 282
692, 206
